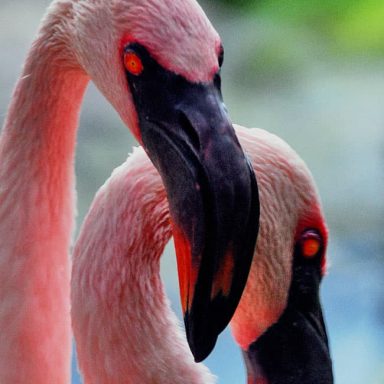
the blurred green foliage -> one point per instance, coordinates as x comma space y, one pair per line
353, 26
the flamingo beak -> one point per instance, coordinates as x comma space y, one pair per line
212, 193
295, 349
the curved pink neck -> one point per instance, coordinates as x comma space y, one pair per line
36, 216
124, 328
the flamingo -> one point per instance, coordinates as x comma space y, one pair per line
158, 63
124, 327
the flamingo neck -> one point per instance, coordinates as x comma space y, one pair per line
124, 327
36, 216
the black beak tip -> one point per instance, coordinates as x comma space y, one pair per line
203, 351
201, 343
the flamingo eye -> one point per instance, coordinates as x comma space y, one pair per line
133, 63
310, 244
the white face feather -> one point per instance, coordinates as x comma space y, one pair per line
176, 32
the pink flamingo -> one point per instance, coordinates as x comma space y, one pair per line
124, 328
157, 62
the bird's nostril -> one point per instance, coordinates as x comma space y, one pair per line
189, 131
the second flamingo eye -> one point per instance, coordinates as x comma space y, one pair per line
311, 244
133, 63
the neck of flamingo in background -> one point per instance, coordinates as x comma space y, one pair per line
36, 219
127, 331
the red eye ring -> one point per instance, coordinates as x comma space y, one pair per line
310, 244
133, 63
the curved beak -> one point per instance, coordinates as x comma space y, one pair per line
295, 349
212, 193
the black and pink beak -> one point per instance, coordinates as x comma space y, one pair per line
211, 189
295, 349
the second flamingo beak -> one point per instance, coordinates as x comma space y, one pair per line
212, 193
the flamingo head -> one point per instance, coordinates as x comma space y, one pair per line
158, 62
279, 322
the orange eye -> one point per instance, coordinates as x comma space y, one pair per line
132, 63
310, 247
